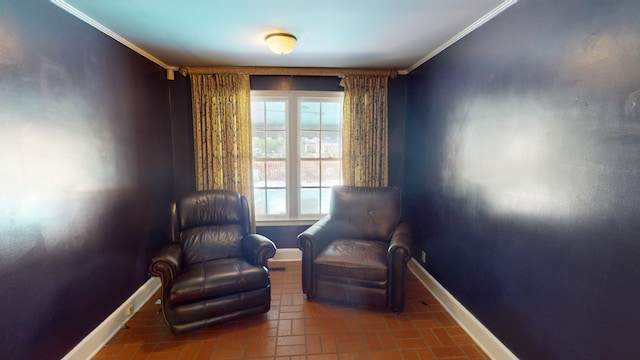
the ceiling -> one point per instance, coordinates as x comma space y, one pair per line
363, 34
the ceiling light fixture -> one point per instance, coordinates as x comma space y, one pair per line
281, 43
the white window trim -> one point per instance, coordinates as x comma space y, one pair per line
286, 222
292, 166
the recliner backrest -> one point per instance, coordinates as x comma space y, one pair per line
211, 224
368, 213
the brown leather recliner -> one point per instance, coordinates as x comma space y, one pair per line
358, 253
214, 270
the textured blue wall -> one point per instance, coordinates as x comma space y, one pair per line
523, 176
86, 177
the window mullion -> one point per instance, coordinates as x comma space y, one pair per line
293, 153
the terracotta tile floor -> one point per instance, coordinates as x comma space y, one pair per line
296, 329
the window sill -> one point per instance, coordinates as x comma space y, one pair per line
286, 222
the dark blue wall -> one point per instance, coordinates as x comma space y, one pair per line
86, 177
523, 174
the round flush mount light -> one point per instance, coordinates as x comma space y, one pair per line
281, 43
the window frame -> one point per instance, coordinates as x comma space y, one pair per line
292, 99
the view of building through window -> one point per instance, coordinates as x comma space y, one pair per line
296, 139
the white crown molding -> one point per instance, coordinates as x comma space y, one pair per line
493, 13
170, 69
89, 20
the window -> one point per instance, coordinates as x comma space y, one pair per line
296, 140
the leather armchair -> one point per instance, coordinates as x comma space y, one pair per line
358, 253
214, 269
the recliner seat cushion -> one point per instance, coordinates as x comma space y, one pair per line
217, 278
355, 259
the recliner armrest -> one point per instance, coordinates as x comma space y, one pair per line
258, 249
316, 237
167, 262
311, 242
400, 244
398, 255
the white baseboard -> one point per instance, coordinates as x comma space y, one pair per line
91, 344
287, 255
480, 334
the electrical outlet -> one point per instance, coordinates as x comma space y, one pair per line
130, 309
424, 257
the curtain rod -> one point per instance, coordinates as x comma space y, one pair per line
299, 71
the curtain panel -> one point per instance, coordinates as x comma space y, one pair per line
222, 132
365, 131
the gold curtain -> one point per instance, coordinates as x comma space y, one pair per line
222, 132
365, 131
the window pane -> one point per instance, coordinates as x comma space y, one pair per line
276, 115
325, 200
310, 201
276, 174
259, 174
310, 115
260, 201
258, 144
276, 144
276, 202
310, 144
331, 112
257, 115
330, 173
305, 162
330, 145
310, 173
